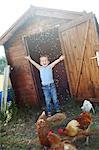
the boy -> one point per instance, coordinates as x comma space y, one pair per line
46, 76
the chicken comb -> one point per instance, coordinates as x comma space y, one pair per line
50, 132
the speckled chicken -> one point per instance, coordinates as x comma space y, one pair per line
43, 126
42, 129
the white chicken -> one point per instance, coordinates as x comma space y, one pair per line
87, 106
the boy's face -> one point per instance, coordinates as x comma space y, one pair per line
44, 61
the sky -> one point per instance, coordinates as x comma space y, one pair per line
11, 10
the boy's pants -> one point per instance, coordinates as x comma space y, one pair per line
50, 92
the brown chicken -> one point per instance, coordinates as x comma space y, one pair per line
84, 120
42, 129
57, 143
42, 116
43, 126
56, 119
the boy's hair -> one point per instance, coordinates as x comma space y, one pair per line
44, 56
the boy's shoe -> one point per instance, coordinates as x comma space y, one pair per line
49, 114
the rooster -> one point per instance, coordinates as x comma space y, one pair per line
84, 120
57, 143
79, 126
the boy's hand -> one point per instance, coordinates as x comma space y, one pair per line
27, 57
61, 57
57, 61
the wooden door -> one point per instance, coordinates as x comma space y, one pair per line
48, 43
78, 40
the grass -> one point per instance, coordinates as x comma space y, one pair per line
19, 133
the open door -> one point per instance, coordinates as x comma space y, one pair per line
48, 43
78, 39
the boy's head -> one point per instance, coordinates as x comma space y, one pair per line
44, 60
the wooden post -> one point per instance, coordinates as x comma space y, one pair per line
5, 89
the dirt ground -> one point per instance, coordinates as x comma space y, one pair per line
19, 133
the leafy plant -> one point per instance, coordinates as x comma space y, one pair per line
9, 113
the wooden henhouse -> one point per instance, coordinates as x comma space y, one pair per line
54, 32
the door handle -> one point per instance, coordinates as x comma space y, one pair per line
96, 57
93, 57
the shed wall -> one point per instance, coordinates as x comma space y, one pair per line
22, 80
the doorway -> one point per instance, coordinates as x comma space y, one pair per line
48, 43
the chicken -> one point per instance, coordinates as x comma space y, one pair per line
43, 126
43, 116
57, 143
42, 129
87, 106
56, 119
84, 120
80, 123
72, 128
78, 128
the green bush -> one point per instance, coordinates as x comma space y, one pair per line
11, 112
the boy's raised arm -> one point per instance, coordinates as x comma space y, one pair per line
33, 62
57, 61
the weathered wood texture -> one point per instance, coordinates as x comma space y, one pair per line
78, 44
22, 78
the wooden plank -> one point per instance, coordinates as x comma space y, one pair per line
41, 9
73, 52
94, 100
69, 61
85, 86
31, 70
66, 62
88, 64
94, 69
16, 54
71, 58
75, 22
58, 14
82, 58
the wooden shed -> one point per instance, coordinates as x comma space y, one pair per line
53, 32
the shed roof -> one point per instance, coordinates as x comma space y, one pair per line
39, 11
